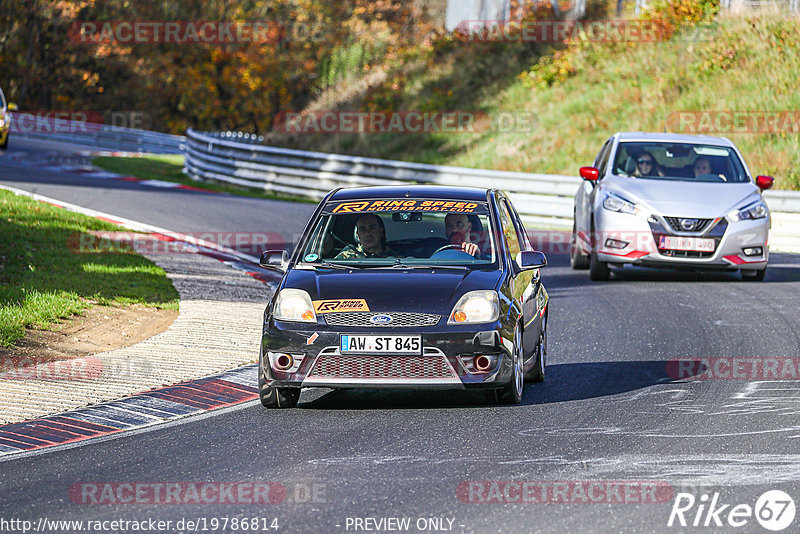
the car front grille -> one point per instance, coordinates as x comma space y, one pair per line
399, 319
699, 225
685, 253
381, 367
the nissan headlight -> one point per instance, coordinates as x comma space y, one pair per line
756, 210
476, 307
616, 203
294, 305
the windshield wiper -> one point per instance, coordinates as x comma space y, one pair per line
331, 265
400, 265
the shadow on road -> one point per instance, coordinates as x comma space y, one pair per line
564, 382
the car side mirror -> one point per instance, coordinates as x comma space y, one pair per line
12, 106
590, 174
531, 259
765, 182
275, 260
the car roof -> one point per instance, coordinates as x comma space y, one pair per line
411, 191
673, 138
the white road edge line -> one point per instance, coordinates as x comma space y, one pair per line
135, 225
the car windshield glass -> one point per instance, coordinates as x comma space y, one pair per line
417, 232
679, 161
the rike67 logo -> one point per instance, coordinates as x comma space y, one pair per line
774, 510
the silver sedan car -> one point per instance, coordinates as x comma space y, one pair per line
670, 200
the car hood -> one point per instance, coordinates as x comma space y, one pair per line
387, 290
680, 198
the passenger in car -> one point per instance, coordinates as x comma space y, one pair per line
370, 236
459, 232
646, 165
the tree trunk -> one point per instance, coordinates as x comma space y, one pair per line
578, 10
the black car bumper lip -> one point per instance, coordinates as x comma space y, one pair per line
444, 364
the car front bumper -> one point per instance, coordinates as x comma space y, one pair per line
447, 360
641, 236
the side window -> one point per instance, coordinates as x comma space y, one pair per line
604, 158
509, 231
524, 240
600, 155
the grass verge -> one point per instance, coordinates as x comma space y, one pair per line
169, 168
42, 279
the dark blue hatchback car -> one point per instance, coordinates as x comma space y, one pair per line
412, 286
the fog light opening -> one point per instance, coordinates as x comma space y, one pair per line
615, 243
482, 363
753, 251
284, 362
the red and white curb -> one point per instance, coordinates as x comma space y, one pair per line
138, 411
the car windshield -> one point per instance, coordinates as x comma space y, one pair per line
679, 161
402, 232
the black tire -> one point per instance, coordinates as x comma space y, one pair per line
275, 397
599, 271
577, 261
511, 393
538, 371
753, 276
5, 144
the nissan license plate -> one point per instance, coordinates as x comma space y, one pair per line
358, 344
696, 244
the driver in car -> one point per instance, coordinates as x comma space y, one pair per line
370, 235
459, 228
702, 165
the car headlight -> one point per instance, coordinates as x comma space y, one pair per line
756, 210
613, 202
476, 307
294, 305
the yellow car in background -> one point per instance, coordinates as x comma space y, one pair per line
5, 119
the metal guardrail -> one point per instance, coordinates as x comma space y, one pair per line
543, 199
96, 135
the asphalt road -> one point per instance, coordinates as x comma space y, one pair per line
608, 412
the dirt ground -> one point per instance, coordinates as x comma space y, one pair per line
98, 329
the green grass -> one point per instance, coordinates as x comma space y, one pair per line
43, 278
169, 168
746, 64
